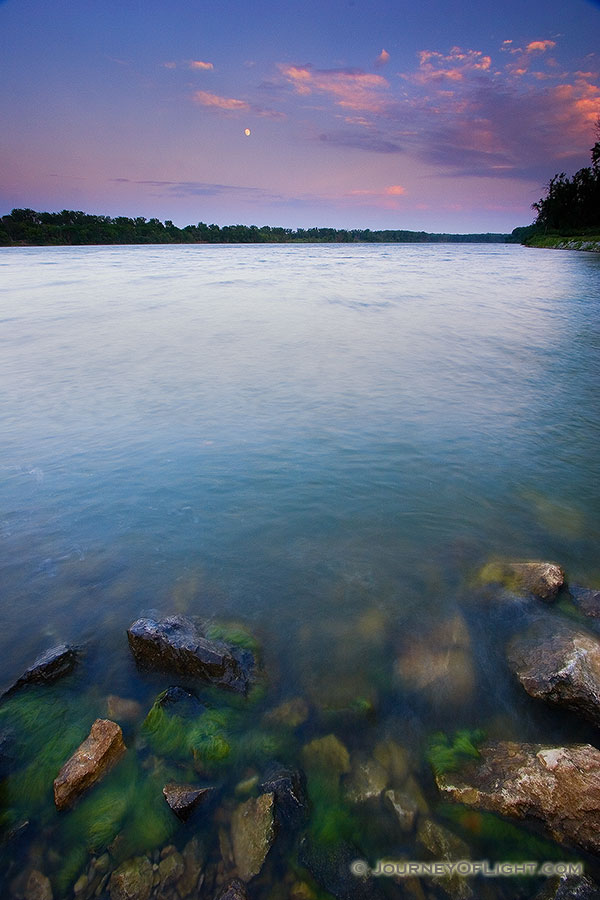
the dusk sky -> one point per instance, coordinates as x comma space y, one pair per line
433, 115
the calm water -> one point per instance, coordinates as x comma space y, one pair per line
323, 442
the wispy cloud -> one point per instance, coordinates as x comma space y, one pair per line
540, 46
350, 88
382, 59
200, 64
205, 98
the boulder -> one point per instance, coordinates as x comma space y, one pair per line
586, 600
170, 869
560, 664
327, 755
184, 798
100, 750
132, 880
49, 667
252, 834
289, 789
543, 580
557, 786
177, 645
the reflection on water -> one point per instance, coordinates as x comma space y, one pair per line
322, 442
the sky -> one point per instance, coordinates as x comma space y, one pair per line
434, 115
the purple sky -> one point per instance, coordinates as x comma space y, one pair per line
437, 115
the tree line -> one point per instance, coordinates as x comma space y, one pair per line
572, 205
28, 227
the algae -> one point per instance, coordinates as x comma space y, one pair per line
446, 755
232, 633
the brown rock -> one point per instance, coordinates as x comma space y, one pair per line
233, 890
132, 880
38, 886
100, 750
193, 861
292, 713
542, 579
252, 833
558, 786
405, 809
560, 664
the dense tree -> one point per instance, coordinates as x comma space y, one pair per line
26, 226
572, 205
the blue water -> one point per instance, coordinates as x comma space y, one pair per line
291, 436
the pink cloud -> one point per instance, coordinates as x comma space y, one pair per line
454, 66
217, 102
383, 58
200, 64
395, 190
541, 46
350, 88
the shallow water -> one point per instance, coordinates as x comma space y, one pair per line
322, 442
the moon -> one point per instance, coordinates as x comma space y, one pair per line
247, 132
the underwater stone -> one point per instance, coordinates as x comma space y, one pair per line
570, 887
444, 845
38, 886
405, 809
49, 667
123, 709
368, 781
132, 880
558, 786
542, 579
586, 600
329, 865
328, 755
170, 869
193, 861
184, 798
560, 664
100, 750
176, 644
292, 713
252, 834
289, 788
233, 890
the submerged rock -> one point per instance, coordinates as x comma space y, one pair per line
559, 664
252, 834
405, 809
38, 886
123, 709
176, 644
193, 862
49, 667
542, 579
586, 600
569, 887
184, 798
100, 750
327, 754
446, 846
558, 786
233, 890
291, 714
132, 880
439, 663
368, 781
330, 866
289, 789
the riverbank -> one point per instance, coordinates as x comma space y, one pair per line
561, 242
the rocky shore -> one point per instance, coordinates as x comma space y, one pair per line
223, 789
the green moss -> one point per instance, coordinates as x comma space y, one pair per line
234, 634
99, 815
150, 823
74, 862
445, 755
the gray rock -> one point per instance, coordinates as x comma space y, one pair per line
176, 644
586, 600
193, 861
444, 845
329, 865
557, 786
184, 798
405, 809
289, 788
560, 664
49, 667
